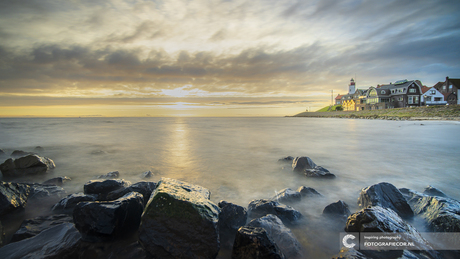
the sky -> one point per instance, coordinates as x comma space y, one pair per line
214, 57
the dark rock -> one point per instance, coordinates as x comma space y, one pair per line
337, 209
440, 213
119, 249
280, 234
262, 207
351, 253
432, 191
20, 153
144, 188
287, 159
44, 191
103, 187
110, 175
254, 243
319, 171
105, 221
379, 219
69, 202
180, 222
301, 163
147, 174
59, 181
287, 195
2, 152
13, 196
30, 164
231, 218
385, 195
32, 227
2, 235
55, 242
308, 192
39, 149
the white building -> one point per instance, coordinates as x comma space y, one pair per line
431, 96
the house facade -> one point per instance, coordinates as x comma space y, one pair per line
401, 94
431, 96
450, 89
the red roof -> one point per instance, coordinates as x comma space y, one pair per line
339, 96
425, 89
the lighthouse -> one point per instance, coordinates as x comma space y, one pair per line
352, 87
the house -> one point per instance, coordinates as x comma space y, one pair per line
450, 89
402, 93
431, 96
338, 99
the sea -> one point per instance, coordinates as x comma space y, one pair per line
237, 158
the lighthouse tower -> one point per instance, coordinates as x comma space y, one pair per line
351, 87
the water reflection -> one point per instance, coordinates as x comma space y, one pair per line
178, 155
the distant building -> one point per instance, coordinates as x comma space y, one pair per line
450, 89
352, 87
402, 93
431, 96
338, 99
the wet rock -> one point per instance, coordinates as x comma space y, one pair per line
432, 191
59, 181
30, 164
110, 175
56, 242
45, 191
319, 171
301, 163
337, 209
39, 149
147, 174
111, 250
13, 196
262, 207
104, 221
180, 222
254, 243
280, 234
440, 213
231, 218
2, 235
385, 195
287, 195
103, 187
2, 152
20, 153
144, 188
69, 202
287, 159
32, 227
350, 253
308, 192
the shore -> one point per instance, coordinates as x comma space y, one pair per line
446, 112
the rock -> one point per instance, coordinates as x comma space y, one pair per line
385, 195
379, 219
301, 163
319, 171
69, 202
231, 218
32, 227
440, 213
287, 159
103, 187
13, 196
2, 235
105, 221
57, 181
111, 250
39, 149
180, 222
262, 207
55, 242
254, 243
2, 152
351, 253
287, 195
432, 191
147, 174
110, 175
30, 164
337, 209
308, 192
144, 188
20, 153
44, 191
280, 234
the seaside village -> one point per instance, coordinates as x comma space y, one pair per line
402, 93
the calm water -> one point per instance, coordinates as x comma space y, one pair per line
237, 158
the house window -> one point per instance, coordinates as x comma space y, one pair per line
382, 92
400, 99
450, 87
412, 90
433, 92
416, 99
428, 99
437, 99
392, 91
410, 100
443, 87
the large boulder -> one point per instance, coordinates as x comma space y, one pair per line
440, 213
385, 195
110, 175
59, 181
69, 202
301, 163
337, 209
231, 218
254, 243
13, 196
262, 207
287, 195
38, 191
104, 187
104, 221
280, 234
180, 222
30, 164
308, 192
32, 227
319, 172
433, 191
56, 242
144, 188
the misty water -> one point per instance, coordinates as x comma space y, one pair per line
237, 158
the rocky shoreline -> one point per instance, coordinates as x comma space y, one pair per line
113, 218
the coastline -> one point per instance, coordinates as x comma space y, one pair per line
448, 112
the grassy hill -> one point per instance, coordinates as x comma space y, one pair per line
329, 108
446, 112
